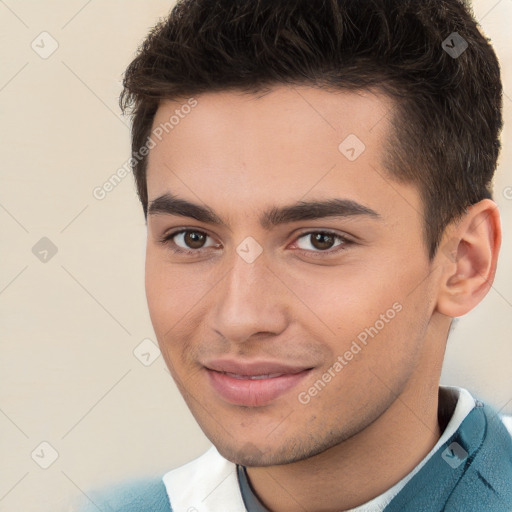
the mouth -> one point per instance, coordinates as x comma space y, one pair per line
253, 384
253, 377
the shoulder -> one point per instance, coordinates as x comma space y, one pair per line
130, 496
187, 485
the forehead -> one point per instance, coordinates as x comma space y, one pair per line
236, 149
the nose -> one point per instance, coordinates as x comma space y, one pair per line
249, 302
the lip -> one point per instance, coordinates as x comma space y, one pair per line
253, 383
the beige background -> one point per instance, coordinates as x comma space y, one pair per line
69, 326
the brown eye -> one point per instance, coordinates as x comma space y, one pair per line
319, 241
189, 240
194, 239
322, 241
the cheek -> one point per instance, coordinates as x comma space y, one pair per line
170, 297
178, 298
371, 306
343, 300
170, 291
159, 301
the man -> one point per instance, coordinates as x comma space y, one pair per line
315, 177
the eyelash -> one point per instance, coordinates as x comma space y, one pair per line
167, 240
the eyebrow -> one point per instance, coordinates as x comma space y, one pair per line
169, 204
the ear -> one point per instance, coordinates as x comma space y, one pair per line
468, 256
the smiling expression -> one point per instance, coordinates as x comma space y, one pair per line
270, 250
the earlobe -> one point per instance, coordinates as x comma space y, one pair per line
468, 256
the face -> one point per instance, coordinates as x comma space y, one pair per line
287, 274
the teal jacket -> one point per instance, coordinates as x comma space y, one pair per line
471, 472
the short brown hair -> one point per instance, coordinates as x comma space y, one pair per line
448, 116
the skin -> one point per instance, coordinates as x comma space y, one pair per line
241, 154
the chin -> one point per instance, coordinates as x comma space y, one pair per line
251, 454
